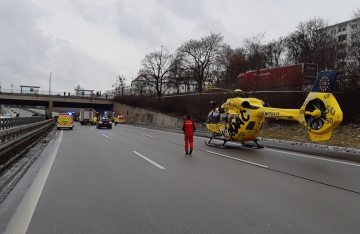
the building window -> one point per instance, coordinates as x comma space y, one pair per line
342, 38
343, 29
354, 26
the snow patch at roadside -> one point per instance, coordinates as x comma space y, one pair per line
309, 145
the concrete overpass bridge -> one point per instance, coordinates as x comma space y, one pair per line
50, 101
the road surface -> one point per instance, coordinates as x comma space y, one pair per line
136, 180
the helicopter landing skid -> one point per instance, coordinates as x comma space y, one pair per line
254, 145
209, 143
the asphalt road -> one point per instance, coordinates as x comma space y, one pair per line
136, 180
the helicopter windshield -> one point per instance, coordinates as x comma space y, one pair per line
213, 117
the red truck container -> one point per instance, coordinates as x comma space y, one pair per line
295, 77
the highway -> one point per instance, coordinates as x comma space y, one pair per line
26, 113
133, 179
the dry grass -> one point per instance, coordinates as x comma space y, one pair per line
343, 136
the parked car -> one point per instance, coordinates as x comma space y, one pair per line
104, 123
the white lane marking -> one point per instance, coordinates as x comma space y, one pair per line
312, 157
105, 135
252, 163
20, 220
91, 128
147, 135
159, 166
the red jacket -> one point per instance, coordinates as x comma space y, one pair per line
188, 127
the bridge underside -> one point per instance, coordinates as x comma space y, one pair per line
57, 102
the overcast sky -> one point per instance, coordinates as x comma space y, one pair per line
90, 42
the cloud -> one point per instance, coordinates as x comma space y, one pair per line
22, 46
90, 42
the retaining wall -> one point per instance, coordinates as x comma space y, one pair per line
146, 117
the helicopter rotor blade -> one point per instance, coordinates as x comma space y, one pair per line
190, 94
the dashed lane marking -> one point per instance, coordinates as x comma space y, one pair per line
244, 161
147, 135
149, 160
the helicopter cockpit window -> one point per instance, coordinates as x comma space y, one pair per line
209, 118
216, 117
213, 117
250, 125
224, 118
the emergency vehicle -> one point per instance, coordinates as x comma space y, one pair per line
64, 120
87, 116
121, 119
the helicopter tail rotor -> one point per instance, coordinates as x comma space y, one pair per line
321, 113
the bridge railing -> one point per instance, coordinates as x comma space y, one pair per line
13, 137
7, 123
56, 94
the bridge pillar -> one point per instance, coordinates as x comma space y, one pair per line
49, 110
2, 109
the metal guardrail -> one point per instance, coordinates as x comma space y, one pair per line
11, 138
7, 123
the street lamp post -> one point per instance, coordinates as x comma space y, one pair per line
50, 85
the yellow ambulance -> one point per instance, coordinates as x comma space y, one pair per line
64, 120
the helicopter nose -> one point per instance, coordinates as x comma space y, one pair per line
316, 113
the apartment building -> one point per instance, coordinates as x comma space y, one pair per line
342, 32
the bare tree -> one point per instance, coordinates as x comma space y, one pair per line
120, 84
230, 64
274, 52
256, 53
255, 49
353, 48
311, 43
139, 85
199, 56
178, 76
155, 67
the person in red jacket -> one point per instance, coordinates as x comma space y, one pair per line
189, 128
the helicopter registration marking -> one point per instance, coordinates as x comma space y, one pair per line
237, 159
272, 113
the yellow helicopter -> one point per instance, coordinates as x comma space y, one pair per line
241, 119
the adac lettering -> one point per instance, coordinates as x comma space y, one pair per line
239, 121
